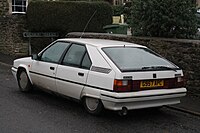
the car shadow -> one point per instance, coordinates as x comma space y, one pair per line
64, 105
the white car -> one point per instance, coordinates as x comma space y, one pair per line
108, 74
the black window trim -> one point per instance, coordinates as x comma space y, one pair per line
64, 53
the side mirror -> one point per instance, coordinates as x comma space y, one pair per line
34, 57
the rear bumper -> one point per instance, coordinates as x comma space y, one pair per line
142, 99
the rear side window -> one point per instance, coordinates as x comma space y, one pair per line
86, 63
135, 58
77, 56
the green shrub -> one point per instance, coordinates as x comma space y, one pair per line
65, 17
164, 18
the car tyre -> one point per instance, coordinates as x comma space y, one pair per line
23, 81
93, 106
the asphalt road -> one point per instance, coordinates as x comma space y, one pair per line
40, 112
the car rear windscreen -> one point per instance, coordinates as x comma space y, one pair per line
137, 58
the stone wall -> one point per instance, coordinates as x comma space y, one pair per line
11, 28
11, 37
4, 7
182, 52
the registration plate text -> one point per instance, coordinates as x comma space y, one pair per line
151, 84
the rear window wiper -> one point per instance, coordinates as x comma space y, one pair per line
159, 68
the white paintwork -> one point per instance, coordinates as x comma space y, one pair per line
142, 103
44, 69
26, 62
148, 75
97, 79
71, 74
96, 57
101, 42
65, 79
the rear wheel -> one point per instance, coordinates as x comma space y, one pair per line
23, 81
92, 105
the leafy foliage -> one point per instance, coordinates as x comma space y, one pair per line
118, 10
65, 17
127, 12
164, 18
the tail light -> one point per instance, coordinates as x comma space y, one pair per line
122, 85
177, 82
180, 82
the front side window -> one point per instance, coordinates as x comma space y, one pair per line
77, 56
19, 6
54, 52
133, 59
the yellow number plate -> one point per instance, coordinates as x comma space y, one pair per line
151, 84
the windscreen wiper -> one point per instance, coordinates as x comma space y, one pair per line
159, 68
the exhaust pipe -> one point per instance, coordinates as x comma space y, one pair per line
123, 112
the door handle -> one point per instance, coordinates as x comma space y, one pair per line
52, 68
81, 74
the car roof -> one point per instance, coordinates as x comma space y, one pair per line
99, 42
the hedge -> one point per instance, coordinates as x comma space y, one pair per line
65, 17
164, 18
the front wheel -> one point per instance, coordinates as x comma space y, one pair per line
92, 105
23, 81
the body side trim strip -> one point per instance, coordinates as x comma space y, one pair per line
95, 87
42, 74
